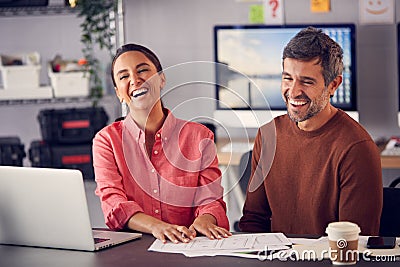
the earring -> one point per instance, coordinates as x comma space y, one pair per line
124, 108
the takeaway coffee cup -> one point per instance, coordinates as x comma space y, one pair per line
343, 242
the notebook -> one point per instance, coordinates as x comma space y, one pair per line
47, 207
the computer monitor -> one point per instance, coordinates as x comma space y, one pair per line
398, 67
249, 69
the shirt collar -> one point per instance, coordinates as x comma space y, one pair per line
166, 129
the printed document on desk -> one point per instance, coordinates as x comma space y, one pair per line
236, 245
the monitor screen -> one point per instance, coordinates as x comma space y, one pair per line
398, 67
398, 64
249, 65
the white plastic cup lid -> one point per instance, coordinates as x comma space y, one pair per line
343, 229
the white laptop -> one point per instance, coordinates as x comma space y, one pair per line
46, 207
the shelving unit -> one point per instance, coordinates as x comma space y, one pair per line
36, 11
50, 10
44, 101
48, 30
56, 9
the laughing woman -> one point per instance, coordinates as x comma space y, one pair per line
154, 172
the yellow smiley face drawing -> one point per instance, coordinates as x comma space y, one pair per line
376, 7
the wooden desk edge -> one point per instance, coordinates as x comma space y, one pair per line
390, 162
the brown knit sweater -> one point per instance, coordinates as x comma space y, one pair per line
316, 177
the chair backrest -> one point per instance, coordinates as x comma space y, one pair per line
390, 219
120, 119
212, 127
395, 182
245, 170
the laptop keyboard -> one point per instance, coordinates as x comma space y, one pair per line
99, 240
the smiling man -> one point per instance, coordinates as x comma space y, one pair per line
323, 165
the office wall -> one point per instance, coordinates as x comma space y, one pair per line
181, 31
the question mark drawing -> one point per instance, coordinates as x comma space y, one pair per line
274, 4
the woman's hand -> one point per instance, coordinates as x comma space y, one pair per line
206, 225
159, 229
175, 233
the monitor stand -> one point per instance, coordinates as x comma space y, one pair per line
353, 115
255, 118
245, 118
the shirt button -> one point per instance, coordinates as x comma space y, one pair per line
165, 138
157, 211
155, 152
158, 135
155, 191
153, 170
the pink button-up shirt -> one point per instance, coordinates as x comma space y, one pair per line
178, 182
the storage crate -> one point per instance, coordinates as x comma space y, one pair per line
26, 75
43, 154
20, 77
12, 151
69, 84
71, 125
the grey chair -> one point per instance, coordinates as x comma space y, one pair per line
395, 182
244, 172
390, 218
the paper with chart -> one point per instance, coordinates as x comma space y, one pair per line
202, 246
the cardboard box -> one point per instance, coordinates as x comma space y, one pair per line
69, 84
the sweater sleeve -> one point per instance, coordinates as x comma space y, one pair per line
256, 211
361, 196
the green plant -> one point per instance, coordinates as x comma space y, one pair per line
98, 28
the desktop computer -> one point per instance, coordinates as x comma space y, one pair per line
249, 66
